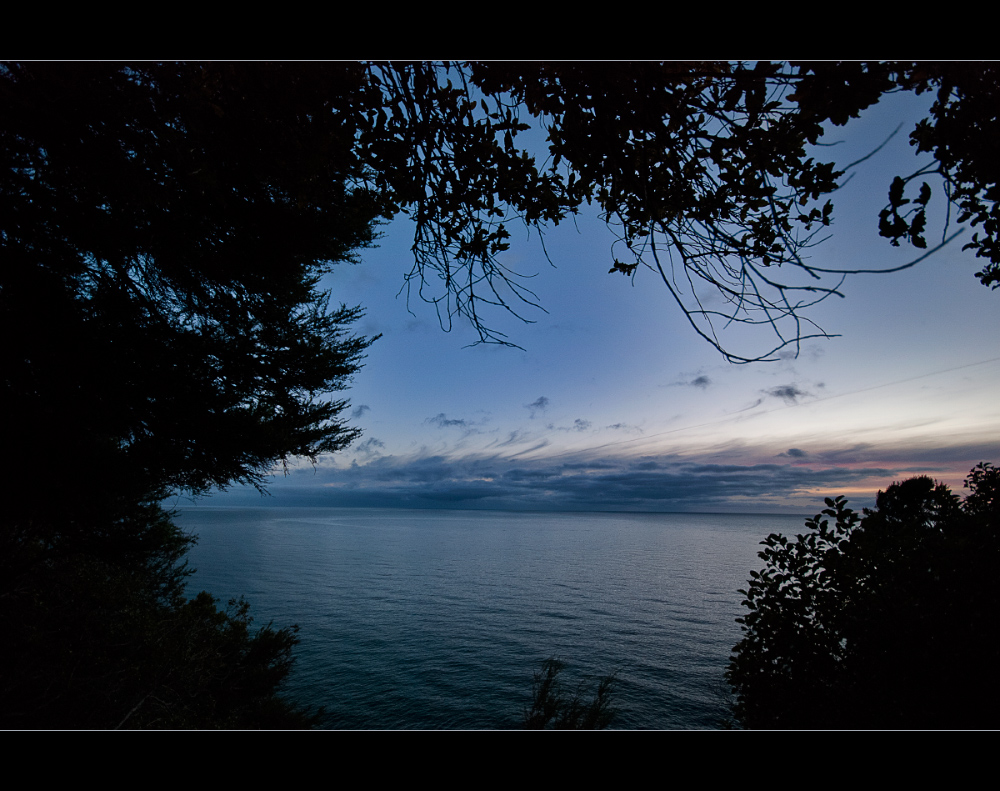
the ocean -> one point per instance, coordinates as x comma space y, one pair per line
419, 619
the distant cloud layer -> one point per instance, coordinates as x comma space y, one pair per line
647, 484
728, 478
654, 482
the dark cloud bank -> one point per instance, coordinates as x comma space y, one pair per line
654, 483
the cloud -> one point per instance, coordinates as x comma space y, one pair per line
787, 393
662, 484
360, 410
701, 381
369, 448
441, 421
754, 405
540, 404
468, 427
537, 446
513, 438
626, 427
726, 481
578, 425
653, 482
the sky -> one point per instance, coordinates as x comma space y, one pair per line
613, 403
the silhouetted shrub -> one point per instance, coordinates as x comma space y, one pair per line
551, 707
886, 620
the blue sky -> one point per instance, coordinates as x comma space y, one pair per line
614, 403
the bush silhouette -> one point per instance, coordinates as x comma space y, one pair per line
552, 707
886, 620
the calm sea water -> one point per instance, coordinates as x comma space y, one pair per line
437, 619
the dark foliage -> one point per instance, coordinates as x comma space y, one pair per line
164, 228
960, 133
552, 708
886, 620
98, 634
703, 170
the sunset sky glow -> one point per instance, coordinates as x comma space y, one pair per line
614, 403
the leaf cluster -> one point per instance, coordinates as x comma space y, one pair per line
876, 620
702, 170
958, 132
701, 161
444, 154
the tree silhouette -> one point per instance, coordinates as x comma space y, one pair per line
885, 620
703, 170
164, 231
165, 228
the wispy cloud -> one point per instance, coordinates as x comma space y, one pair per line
626, 427
578, 425
790, 394
369, 448
443, 421
515, 437
467, 427
540, 404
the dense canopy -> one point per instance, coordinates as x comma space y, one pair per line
164, 229
705, 171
